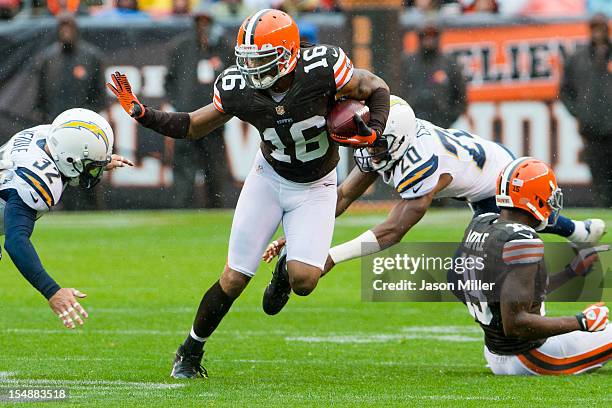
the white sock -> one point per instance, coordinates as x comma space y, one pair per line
580, 232
196, 337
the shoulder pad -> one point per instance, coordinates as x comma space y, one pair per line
417, 176
330, 61
40, 189
229, 87
522, 246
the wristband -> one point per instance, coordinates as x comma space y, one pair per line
363, 245
582, 321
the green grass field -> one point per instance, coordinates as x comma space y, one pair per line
145, 273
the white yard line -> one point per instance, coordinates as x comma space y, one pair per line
113, 384
458, 334
7, 374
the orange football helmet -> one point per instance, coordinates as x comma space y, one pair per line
531, 185
267, 47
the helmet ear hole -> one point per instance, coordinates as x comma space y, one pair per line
540, 202
69, 159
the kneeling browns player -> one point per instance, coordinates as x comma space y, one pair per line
519, 339
285, 90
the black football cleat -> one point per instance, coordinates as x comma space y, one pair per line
277, 293
188, 365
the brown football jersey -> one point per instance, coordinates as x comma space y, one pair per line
294, 138
503, 247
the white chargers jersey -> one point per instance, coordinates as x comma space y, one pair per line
473, 163
27, 168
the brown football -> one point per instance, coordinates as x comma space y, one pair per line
340, 119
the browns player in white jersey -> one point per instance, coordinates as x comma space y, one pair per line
285, 90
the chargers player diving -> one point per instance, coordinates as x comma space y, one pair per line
519, 338
286, 91
35, 166
423, 161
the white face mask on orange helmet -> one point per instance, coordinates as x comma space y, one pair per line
81, 142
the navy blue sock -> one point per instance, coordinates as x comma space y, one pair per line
563, 227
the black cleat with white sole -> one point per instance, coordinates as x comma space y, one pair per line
277, 293
188, 365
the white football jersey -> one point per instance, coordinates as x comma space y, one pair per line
473, 163
27, 168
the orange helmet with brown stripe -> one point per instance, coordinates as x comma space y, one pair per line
267, 47
531, 185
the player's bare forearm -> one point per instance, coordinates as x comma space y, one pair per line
533, 327
352, 188
362, 85
516, 299
204, 120
580, 265
403, 216
559, 279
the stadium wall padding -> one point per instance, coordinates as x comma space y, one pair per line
504, 96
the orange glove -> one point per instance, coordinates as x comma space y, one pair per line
594, 318
127, 99
365, 136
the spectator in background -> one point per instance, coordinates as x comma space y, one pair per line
9, 9
586, 91
57, 7
429, 6
180, 7
432, 82
600, 6
329, 5
124, 9
548, 8
198, 57
230, 9
70, 74
480, 6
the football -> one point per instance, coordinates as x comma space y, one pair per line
340, 119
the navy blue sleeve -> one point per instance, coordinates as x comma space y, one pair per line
19, 222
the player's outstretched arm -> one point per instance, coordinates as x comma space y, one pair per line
177, 125
19, 220
403, 216
516, 298
352, 188
581, 265
205, 120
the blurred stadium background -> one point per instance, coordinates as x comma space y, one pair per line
498, 73
509, 53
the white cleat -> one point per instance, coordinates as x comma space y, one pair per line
591, 231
